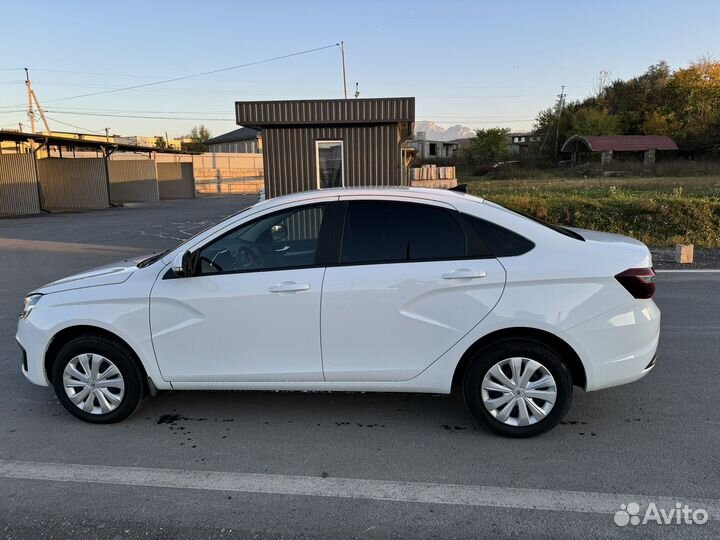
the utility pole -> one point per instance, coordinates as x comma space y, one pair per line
107, 134
561, 104
30, 113
357, 90
342, 52
20, 126
33, 98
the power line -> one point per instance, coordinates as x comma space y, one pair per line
74, 126
184, 77
153, 111
76, 113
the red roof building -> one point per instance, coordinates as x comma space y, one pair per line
618, 143
607, 144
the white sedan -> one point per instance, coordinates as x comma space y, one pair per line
372, 290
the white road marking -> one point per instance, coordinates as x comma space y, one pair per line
688, 271
348, 488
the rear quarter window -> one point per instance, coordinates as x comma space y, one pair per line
501, 242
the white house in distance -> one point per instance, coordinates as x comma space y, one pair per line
245, 140
429, 149
519, 143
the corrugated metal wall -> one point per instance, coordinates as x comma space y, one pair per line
371, 155
325, 111
18, 185
73, 183
304, 225
133, 180
176, 180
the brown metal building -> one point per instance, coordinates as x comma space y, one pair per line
316, 144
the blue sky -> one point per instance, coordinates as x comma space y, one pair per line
475, 63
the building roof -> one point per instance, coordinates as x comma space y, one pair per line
73, 142
397, 110
242, 134
619, 143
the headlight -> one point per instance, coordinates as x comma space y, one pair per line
30, 302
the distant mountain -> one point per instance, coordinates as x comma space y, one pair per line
434, 132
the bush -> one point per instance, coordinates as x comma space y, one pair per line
658, 215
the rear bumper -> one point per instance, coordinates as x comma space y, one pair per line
620, 346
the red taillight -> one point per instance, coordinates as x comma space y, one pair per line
640, 282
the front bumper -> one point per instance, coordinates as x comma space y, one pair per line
620, 346
33, 343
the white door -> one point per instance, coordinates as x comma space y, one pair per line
406, 290
252, 311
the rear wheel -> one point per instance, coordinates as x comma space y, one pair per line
98, 380
518, 387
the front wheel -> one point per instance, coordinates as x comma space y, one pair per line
518, 387
97, 380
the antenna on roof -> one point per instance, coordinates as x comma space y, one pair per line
357, 90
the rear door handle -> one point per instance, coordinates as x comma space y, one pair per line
289, 286
464, 273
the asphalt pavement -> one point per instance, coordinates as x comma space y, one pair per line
320, 465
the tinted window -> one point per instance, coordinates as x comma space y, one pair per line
500, 241
280, 240
379, 231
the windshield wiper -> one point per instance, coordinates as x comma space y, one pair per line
152, 258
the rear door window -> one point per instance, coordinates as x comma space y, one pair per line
385, 231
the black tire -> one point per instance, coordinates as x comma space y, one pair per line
121, 357
494, 353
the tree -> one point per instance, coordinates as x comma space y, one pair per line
160, 142
199, 135
683, 104
587, 121
488, 146
694, 99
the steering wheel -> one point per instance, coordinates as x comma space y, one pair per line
211, 263
246, 257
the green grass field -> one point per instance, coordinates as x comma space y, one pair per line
660, 211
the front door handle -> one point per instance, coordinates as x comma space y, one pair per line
464, 273
289, 286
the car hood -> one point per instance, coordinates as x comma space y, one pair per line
109, 274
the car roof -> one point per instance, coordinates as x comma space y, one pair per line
390, 191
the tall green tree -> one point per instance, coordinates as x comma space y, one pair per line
161, 143
694, 103
488, 146
199, 135
683, 104
589, 121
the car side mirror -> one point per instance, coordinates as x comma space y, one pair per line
182, 264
